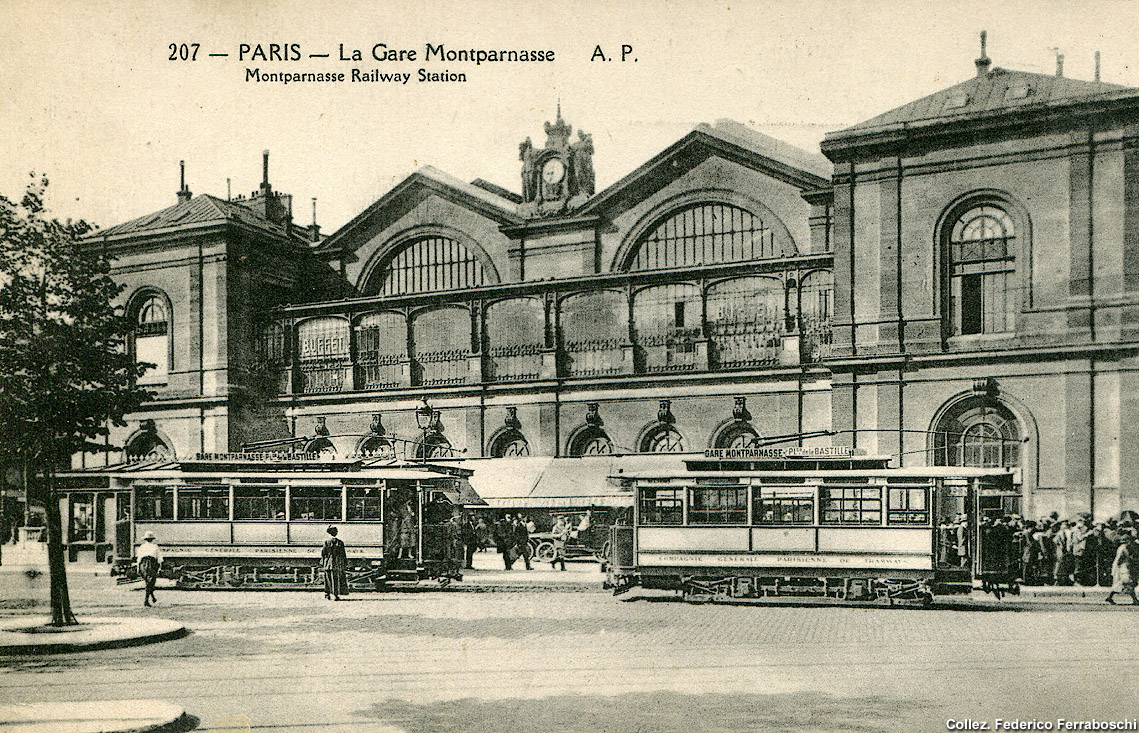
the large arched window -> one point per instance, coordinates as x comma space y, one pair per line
441, 346
381, 350
152, 338
426, 265
322, 354
710, 233
746, 321
594, 325
666, 325
982, 271
515, 336
816, 306
979, 432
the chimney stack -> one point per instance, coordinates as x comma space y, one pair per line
183, 192
314, 230
1059, 64
983, 62
1097, 65
265, 171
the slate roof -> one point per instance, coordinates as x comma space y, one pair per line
996, 91
200, 210
767, 146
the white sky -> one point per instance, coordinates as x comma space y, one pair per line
89, 97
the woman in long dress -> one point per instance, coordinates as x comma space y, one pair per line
1125, 569
334, 562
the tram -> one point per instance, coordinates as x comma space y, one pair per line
806, 523
259, 519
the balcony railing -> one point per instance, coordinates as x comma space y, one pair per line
817, 338
375, 370
674, 351
514, 362
319, 376
594, 358
443, 367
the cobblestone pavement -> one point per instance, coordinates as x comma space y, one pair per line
587, 661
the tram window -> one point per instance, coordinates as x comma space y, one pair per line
851, 505
252, 502
718, 505
661, 506
365, 503
316, 503
203, 503
908, 506
154, 503
782, 510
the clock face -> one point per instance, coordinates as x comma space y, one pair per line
553, 171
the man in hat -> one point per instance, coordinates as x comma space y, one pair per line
149, 560
334, 563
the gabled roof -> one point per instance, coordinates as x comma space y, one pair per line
728, 139
429, 179
995, 91
198, 211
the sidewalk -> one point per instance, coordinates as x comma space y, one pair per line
102, 716
29, 634
580, 576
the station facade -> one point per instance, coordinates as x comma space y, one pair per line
954, 283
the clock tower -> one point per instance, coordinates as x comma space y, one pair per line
559, 177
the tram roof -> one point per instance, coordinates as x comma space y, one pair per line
904, 472
330, 469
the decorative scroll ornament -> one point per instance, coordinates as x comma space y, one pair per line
377, 427
664, 413
512, 420
321, 427
987, 386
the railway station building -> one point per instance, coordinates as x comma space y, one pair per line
955, 282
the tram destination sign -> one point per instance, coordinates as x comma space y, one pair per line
819, 451
266, 457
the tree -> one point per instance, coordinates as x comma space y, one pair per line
65, 374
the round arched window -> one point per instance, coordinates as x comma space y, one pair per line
434, 446
511, 444
980, 432
983, 289
663, 440
740, 435
147, 446
591, 442
377, 447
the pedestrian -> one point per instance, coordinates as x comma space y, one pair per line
522, 541
470, 536
1108, 546
561, 534
149, 560
504, 540
334, 562
1065, 560
1125, 569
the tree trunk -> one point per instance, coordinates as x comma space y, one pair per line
61, 614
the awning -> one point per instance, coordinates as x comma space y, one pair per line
562, 482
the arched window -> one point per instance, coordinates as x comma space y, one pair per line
737, 435
746, 321
979, 432
664, 439
441, 346
594, 325
434, 445
322, 353
426, 265
710, 233
592, 441
152, 338
381, 350
376, 446
982, 271
515, 336
510, 444
147, 446
666, 326
816, 306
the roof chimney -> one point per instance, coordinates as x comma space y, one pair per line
265, 171
983, 62
183, 192
1097, 65
314, 230
1059, 64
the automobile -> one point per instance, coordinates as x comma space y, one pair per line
589, 535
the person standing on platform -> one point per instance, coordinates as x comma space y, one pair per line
504, 540
522, 540
149, 560
561, 534
470, 541
334, 562
1125, 569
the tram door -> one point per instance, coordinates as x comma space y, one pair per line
956, 525
401, 522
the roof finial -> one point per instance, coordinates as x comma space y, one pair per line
1097, 65
1059, 64
983, 62
314, 210
559, 109
264, 169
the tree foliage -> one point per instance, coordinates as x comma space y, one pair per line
65, 374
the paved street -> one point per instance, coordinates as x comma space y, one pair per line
505, 661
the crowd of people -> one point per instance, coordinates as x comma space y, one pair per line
1055, 551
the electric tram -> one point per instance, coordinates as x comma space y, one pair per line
259, 519
806, 523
